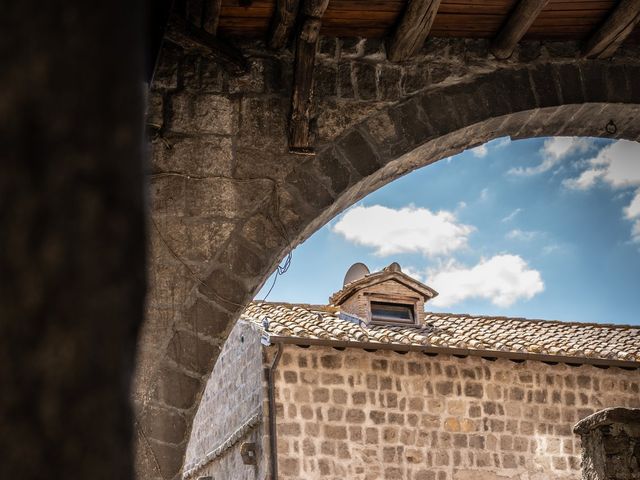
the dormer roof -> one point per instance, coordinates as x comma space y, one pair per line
391, 273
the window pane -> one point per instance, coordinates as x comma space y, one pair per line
391, 311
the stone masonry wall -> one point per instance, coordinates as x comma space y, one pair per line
228, 200
383, 415
232, 398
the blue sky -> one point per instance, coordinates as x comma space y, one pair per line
539, 228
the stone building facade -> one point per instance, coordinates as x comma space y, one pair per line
451, 398
228, 200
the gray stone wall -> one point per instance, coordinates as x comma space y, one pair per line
228, 200
610, 444
370, 415
232, 399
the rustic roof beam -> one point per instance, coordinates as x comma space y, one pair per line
211, 16
188, 36
284, 19
306, 46
604, 42
413, 29
516, 26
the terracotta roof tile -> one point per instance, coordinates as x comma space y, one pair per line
518, 335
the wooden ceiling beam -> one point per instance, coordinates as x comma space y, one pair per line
211, 16
183, 33
306, 46
284, 19
413, 29
604, 42
517, 24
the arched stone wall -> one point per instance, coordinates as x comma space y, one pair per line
228, 200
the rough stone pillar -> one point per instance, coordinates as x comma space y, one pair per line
610, 444
72, 250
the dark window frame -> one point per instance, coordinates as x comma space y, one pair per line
392, 320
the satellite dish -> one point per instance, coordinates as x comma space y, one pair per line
356, 272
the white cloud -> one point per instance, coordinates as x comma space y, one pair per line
484, 194
405, 230
617, 165
522, 235
553, 151
632, 210
501, 279
501, 142
512, 215
635, 231
480, 151
584, 181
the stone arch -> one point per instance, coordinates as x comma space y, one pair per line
261, 209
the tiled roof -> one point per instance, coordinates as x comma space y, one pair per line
515, 335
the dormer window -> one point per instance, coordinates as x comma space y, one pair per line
387, 312
387, 297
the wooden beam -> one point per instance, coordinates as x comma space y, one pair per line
283, 20
517, 24
190, 37
605, 41
412, 30
211, 16
306, 46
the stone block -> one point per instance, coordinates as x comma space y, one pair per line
167, 194
359, 152
168, 458
202, 113
206, 319
389, 83
264, 123
331, 166
175, 388
309, 186
569, 79
226, 197
366, 80
240, 259
192, 353
250, 82
325, 80
212, 76
164, 424
345, 84
195, 156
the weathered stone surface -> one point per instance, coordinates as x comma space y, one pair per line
168, 457
264, 123
204, 113
164, 424
610, 444
175, 388
200, 157
359, 152
232, 396
307, 184
225, 197
192, 353
367, 132
204, 318
167, 195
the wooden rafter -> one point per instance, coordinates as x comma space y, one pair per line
306, 46
284, 19
211, 16
412, 30
604, 42
519, 21
188, 36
